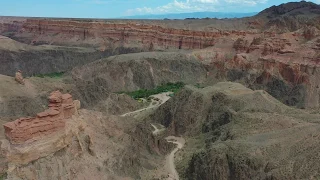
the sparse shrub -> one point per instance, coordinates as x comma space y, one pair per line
199, 86
3, 176
56, 75
257, 41
228, 56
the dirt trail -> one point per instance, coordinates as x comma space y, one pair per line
156, 129
179, 141
170, 158
163, 97
30, 87
170, 166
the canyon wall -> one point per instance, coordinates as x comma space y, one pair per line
11, 25
113, 34
285, 65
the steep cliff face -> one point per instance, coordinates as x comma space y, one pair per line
109, 35
11, 25
233, 132
106, 35
285, 65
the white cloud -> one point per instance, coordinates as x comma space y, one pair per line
206, 1
247, 2
103, 1
177, 6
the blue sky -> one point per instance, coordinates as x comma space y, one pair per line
118, 8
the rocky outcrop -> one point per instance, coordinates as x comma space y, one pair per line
310, 32
241, 45
61, 108
275, 45
31, 138
19, 78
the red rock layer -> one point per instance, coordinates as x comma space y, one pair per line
11, 24
61, 108
127, 33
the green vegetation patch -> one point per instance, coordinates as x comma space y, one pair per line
145, 93
3, 176
56, 75
199, 86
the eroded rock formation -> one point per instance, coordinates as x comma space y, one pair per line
61, 108
19, 77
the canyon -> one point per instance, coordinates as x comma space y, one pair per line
288, 57
98, 98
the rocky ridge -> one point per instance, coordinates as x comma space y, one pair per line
140, 71
46, 59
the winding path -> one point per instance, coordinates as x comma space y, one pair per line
171, 167
179, 141
163, 97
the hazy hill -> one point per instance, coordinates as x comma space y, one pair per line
219, 15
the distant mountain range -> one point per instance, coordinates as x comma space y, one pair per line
200, 15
